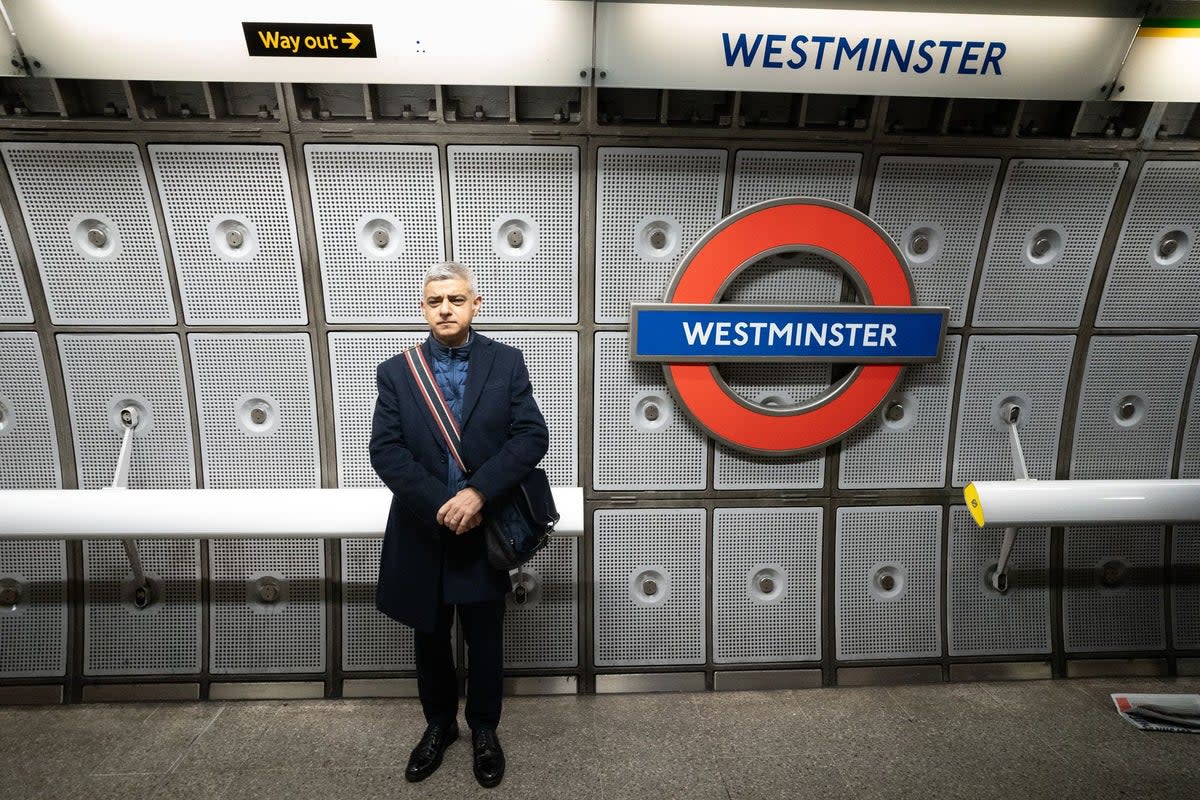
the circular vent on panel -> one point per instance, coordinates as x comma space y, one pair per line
233, 238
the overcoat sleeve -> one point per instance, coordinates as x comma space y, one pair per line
411, 483
528, 439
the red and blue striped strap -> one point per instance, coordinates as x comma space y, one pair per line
445, 421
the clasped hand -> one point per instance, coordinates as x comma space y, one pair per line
462, 512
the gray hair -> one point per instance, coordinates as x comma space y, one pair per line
450, 271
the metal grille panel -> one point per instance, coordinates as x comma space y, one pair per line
983, 621
514, 212
1029, 371
552, 359
359, 190
1113, 588
34, 629
649, 593
888, 596
14, 300
1189, 459
942, 202
787, 278
760, 175
370, 639
1044, 241
28, 448
772, 384
767, 584
543, 631
1128, 414
641, 438
105, 373
644, 196
233, 232
250, 633
1152, 283
1185, 600
89, 216
909, 451
257, 410
161, 639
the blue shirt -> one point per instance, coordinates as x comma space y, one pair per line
450, 371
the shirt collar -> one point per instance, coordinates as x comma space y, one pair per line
443, 353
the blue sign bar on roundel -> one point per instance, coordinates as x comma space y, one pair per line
677, 332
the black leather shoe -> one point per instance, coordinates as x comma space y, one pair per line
427, 755
489, 757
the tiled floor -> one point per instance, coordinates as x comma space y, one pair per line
1019, 740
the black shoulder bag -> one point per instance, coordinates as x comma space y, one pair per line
518, 524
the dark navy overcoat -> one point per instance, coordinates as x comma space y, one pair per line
503, 437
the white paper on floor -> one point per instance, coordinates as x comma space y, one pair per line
1161, 712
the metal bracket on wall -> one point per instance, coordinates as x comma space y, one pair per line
142, 595
1009, 414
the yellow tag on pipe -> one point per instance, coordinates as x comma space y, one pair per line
976, 508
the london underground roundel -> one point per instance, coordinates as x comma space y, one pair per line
691, 331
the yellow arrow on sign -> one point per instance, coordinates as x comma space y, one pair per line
351, 40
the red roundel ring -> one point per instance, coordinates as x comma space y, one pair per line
852, 239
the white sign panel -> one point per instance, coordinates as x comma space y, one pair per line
1162, 64
671, 46
519, 42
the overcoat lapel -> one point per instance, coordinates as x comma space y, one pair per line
480, 364
418, 398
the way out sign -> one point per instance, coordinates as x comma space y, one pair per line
309, 40
691, 331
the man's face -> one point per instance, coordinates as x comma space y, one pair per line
449, 307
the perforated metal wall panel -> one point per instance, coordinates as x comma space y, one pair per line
641, 439
233, 232
251, 632
1044, 241
1189, 459
257, 410
649, 591
28, 447
514, 213
106, 373
377, 209
1129, 405
909, 451
652, 204
934, 209
760, 175
161, 639
983, 621
777, 384
541, 631
1154, 278
34, 628
888, 598
1185, 586
370, 639
552, 359
767, 584
353, 358
1113, 588
788, 278
89, 216
1028, 371
14, 300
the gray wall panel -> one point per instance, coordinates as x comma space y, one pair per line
28, 449
14, 299
1129, 404
1113, 588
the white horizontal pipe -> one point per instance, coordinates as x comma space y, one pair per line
1083, 502
216, 513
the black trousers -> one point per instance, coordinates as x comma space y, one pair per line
437, 685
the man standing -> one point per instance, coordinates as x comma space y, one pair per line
434, 557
